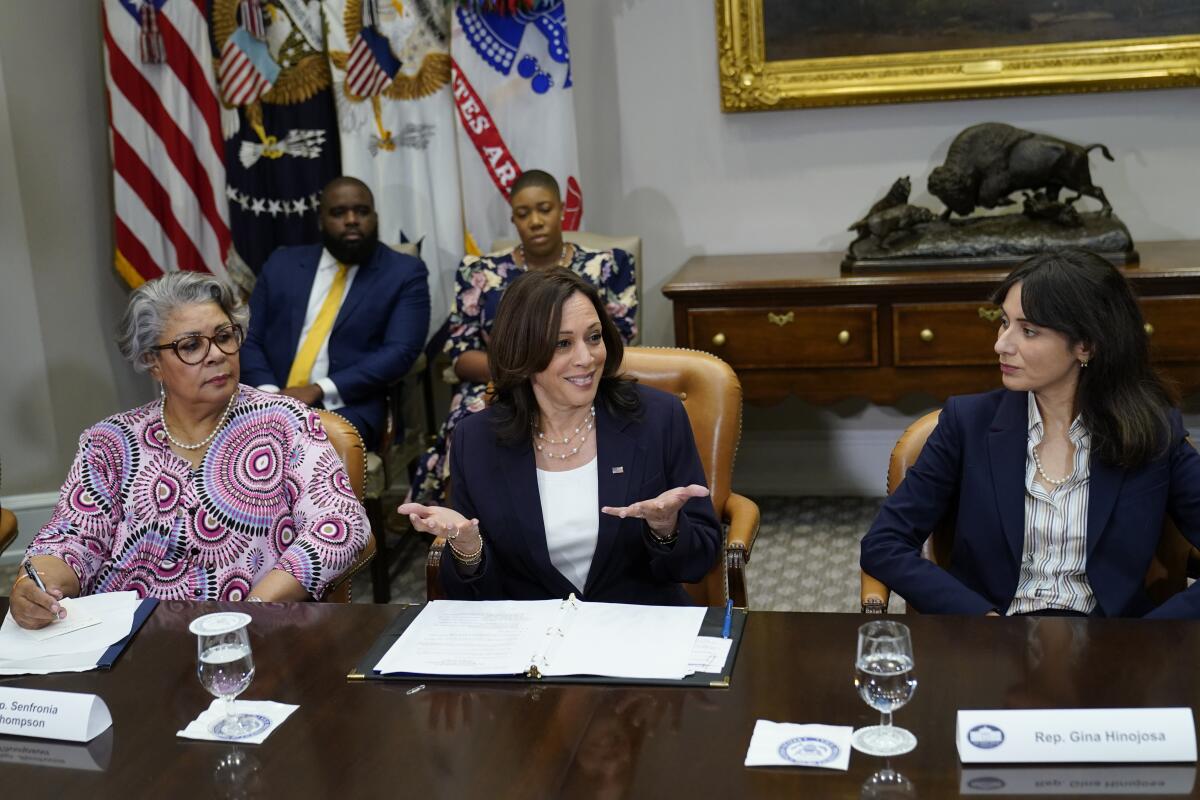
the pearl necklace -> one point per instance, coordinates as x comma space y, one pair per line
207, 439
586, 427
1038, 463
562, 257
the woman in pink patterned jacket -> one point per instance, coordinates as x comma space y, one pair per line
216, 491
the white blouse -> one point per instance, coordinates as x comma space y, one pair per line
571, 515
1054, 557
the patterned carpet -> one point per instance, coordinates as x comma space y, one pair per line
805, 557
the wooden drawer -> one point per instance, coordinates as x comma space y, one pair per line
788, 336
1174, 327
944, 334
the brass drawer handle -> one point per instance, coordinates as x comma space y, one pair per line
926, 335
844, 338
719, 340
1149, 329
990, 314
781, 319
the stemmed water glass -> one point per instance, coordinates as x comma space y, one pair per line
883, 674
226, 667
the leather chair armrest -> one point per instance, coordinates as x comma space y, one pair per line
433, 566
742, 516
8, 528
873, 595
340, 592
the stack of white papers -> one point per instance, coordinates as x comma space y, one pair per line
569, 637
75, 644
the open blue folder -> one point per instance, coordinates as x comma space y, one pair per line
144, 610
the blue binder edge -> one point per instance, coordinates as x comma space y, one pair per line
144, 610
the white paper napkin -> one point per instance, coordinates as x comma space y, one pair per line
270, 714
786, 744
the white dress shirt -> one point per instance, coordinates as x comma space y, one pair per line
571, 515
1054, 557
326, 271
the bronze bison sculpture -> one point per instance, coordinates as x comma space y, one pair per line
988, 162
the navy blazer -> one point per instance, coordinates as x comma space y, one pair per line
637, 460
975, 460
378, 334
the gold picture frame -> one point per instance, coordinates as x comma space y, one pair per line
749, 82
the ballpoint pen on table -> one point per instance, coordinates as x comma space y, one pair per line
728, 619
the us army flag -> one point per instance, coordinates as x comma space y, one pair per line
511, 81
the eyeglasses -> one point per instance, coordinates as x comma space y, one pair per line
193, 349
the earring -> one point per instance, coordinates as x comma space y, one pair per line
162, 391
1083, 362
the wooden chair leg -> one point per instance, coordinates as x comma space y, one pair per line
380, 579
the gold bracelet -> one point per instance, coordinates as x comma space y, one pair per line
466, 559
664, 541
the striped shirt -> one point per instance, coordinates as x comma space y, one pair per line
1054, 557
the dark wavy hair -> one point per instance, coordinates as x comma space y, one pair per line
1122, 400
522, 345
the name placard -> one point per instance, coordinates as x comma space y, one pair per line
1077, 735
1075, 781
67, 716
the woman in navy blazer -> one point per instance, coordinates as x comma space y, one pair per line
1072, 342
542, 507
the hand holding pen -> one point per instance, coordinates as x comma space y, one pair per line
33, 604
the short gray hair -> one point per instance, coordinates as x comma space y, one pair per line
153, 301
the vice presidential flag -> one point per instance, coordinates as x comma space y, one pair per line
165, 137
391, 79
512, 93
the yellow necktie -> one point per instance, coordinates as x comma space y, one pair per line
306, 356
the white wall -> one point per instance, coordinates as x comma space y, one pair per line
59, 297
660, 159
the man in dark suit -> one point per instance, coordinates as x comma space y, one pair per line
334, 326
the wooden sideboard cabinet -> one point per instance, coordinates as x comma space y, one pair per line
792, 323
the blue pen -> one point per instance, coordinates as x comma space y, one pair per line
728, 619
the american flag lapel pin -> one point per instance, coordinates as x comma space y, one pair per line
618, 471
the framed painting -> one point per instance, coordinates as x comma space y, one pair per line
775, 54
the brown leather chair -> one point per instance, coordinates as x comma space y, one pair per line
8, 529
712, 395
1167, 574
349, 446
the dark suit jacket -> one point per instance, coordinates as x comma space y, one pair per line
975, 461
498, 485
378, 334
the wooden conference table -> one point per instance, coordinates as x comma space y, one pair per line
354, 739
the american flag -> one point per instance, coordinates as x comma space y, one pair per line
247, 71
165, 123
371, 65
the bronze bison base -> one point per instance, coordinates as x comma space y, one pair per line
990, 242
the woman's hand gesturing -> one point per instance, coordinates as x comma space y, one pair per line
660, 513
439, 521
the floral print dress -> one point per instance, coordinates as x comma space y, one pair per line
480, 282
